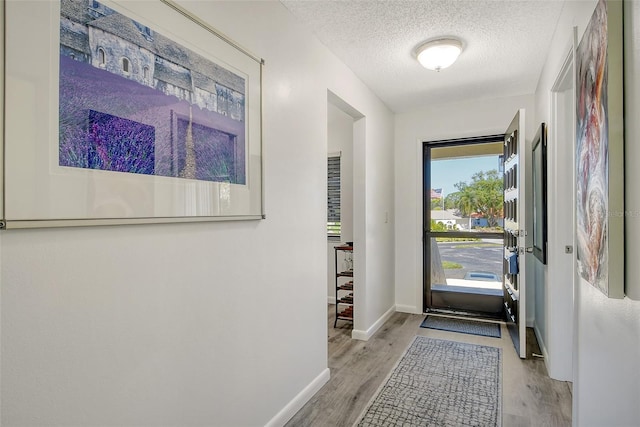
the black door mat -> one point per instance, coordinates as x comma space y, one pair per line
464, 326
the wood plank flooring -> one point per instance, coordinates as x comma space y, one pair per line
529, 396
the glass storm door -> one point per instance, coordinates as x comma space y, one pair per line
463, 233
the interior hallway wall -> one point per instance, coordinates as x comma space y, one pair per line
459, 120
208, 323
555, 316
607, 331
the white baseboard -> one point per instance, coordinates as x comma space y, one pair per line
542, 345
411, 309
365, 335
299, 401
531, 323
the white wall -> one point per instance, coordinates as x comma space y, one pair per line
607, 331
554, 285
373, 213
212, 323
467, 119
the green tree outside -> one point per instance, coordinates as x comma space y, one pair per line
451, 200
483, 195
437, 226
436, 204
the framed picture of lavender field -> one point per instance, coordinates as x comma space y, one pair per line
127, 112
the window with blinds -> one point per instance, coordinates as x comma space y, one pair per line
333, 197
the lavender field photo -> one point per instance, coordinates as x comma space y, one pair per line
120, 145
133, 101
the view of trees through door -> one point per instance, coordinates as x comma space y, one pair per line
463, 200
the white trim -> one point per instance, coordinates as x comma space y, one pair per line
559, 300
331, 300
543, 348
365, 335
411, 309
335, 154
300, 400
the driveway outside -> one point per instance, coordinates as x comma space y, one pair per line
485, 255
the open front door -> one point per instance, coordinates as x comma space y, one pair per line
514, 232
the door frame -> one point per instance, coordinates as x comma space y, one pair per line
426, 213
557, 345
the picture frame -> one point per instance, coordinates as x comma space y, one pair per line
539, 186
599, 151
125, 113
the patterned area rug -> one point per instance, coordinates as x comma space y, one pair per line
440, 383
465, 326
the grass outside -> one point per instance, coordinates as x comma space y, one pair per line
478, 245
449, 265
456, 239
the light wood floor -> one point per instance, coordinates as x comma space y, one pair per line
529, 396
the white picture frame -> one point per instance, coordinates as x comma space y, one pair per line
41, 190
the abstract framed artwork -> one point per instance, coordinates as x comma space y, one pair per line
127, 112
599, 152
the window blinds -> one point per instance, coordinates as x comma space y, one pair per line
333, 196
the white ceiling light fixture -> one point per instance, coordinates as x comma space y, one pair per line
438, 54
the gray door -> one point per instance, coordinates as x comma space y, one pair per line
514, 233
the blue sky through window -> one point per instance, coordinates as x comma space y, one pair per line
446, 173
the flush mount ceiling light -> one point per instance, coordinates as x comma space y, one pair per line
438, 54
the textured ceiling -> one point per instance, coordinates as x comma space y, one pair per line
505, 45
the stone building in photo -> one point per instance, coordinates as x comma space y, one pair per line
93, 33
